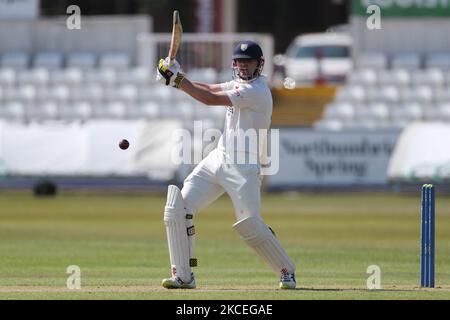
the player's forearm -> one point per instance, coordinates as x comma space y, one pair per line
203, 93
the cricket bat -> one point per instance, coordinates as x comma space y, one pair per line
177, 32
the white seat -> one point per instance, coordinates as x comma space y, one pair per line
447, 78
105, 77
146, 93
340, 111
373, 112
441, 94
9, 94
60, 93
48, 60
70, 76
50, 110
146, 110
423, 94
443, 111
15, 60
206, 75
407, 112
431, 112
420, 94
180, 96
438, 60
384, 94
114, 61
163, 94
365, 77
431, 77
7, 77
47, 110
372, 60
379, 112
329, 125
127, 93
12, 110
77, 110
389, 94
81, 60
93, 93
351, 93
37, 77
43, 94
25, 94
177, 110
396, 77
186, 110
111, 110
137, 76
409, 61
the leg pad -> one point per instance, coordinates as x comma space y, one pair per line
260, 237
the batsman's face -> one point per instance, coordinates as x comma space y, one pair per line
246, 67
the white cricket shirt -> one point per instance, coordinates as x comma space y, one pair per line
248, 120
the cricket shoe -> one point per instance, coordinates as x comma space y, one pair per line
287, 281
177, 283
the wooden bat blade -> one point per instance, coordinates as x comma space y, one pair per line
177, 32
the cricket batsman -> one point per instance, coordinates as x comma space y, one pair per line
249, 107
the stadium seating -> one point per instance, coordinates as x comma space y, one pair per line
12, 111
438, 60
376, 96
15, 60
82, 60
7, 77
71, 76
364, 77
48, 60
77, 111
443, 111
372, 60
115, 61
330, 125
432, 77
344, 112
397, 77
207, 75
409, 61
83, 85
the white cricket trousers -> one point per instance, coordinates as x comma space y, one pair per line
213, 176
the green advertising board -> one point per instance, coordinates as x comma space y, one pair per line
404, 8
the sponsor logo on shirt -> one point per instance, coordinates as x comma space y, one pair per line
236, 91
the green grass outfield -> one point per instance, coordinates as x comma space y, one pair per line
119, 243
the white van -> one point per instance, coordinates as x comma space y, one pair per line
317, 56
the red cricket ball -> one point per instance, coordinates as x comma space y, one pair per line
124, 144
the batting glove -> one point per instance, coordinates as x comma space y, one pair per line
170, 75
